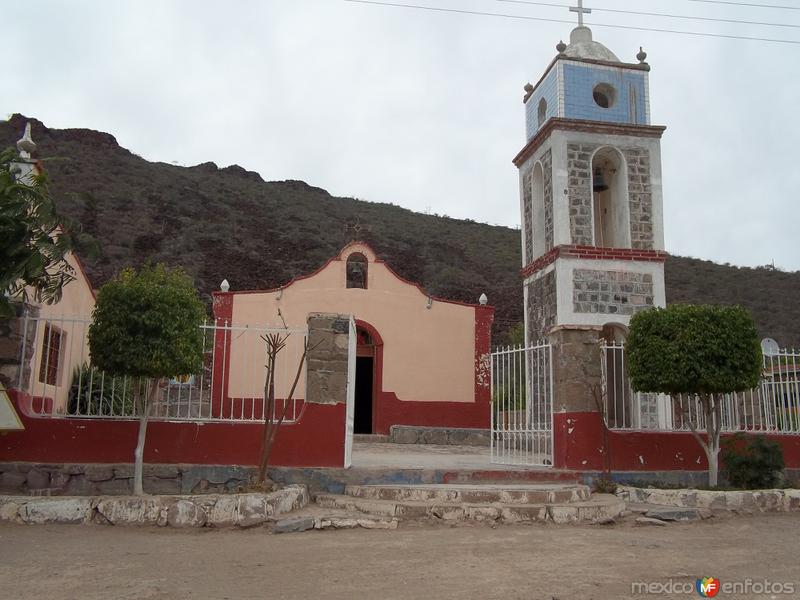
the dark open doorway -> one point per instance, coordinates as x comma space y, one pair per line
362, 422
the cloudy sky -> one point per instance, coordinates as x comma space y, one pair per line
419, 108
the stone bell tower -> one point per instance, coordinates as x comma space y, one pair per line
590, 188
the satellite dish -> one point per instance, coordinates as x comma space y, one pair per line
770, 347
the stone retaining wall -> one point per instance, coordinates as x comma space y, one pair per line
747, 500
212, 510
442, 436
101, 479
11, 336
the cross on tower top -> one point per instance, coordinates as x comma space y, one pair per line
581, 11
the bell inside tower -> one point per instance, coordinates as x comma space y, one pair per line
610, 200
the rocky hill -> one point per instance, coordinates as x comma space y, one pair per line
229, 223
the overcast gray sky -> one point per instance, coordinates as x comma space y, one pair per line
418, 108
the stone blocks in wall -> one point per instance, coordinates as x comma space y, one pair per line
579, 167
576, 368
640, 194
640, 197
240, 510
102, 479
527, 213
11, 343
328, 341
542, 306
440, 436
547, 170
611, 292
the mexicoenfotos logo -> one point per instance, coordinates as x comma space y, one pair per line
708, 587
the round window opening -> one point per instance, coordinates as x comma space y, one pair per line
604, 95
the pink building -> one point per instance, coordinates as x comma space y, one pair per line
420, 360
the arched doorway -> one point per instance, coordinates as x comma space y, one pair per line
369, 353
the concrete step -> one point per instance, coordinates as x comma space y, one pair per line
335, 481
526, 493
600, 507
370, 438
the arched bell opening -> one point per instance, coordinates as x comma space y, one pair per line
357, 270
610, 211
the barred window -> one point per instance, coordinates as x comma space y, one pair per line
51, 354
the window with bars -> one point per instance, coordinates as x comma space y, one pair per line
51, 354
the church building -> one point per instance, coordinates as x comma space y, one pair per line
420, 360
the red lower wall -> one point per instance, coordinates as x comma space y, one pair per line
316, 440
389, 410
578, 439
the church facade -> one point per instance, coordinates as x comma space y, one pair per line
420, 360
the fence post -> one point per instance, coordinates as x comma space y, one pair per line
577, 424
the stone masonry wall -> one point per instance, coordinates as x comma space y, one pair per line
542, 306
611, 292
640, 197
579, 168
527, 213
96, 479
328, 338
11, 337
547, 169
576, 368
640, 194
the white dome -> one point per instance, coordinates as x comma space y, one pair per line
581, 45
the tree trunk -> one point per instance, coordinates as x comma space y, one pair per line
138, 467
713, 416
713, 466
711, 444
138, 454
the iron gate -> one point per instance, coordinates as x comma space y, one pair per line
522, 406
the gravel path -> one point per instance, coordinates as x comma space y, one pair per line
438, 562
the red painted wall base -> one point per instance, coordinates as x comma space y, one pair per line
316, 440
389, 410
579, 446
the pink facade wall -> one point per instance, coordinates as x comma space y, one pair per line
431, 356
77, 303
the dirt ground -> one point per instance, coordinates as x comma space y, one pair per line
511, 562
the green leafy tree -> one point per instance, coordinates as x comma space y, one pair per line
701, 352
147, 325
33, 248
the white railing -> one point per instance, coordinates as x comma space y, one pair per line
522, 406
772, 407
57, 374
